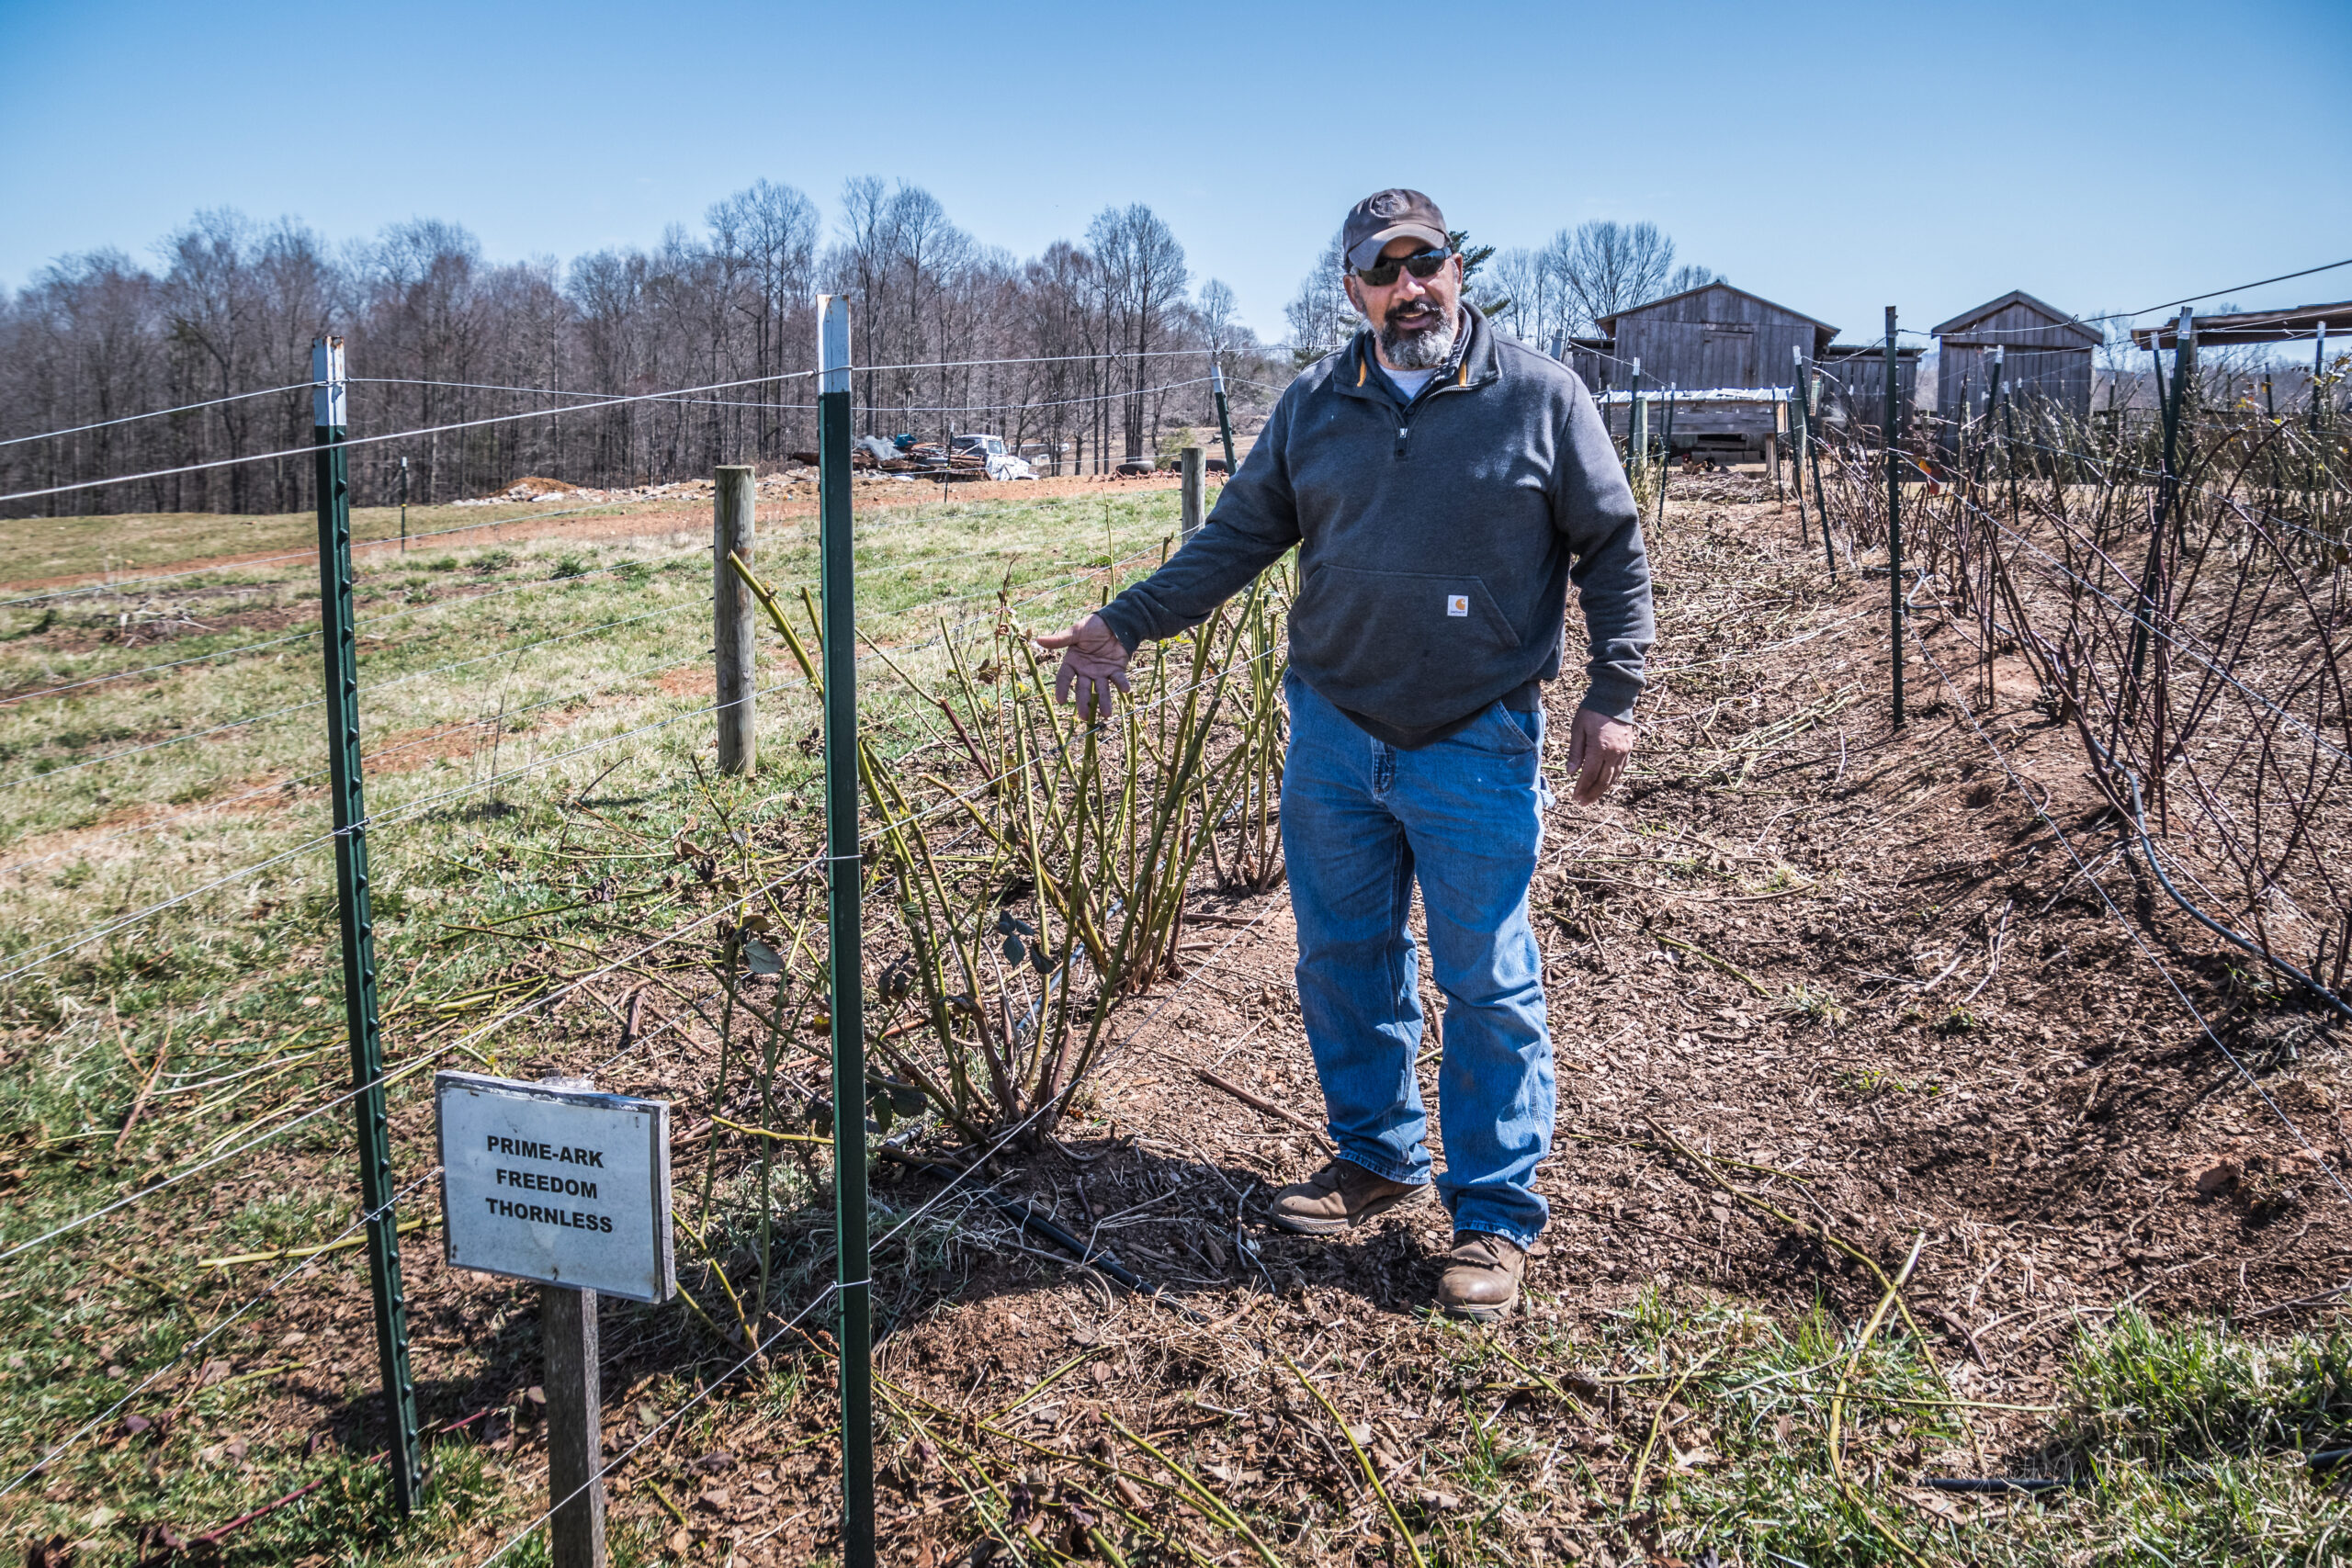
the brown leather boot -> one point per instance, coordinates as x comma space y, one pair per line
1339, 1197
1482, 1276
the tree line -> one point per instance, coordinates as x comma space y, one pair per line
1541, 295
1083, 338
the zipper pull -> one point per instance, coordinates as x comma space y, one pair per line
1402, 431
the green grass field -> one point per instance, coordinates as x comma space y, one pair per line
166, 896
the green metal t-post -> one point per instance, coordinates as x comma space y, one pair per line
1888, 436
403, 506
1820, 502
1224, 416
844, 927
335, 628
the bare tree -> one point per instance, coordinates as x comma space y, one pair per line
482, 359
1143, 273
1321, 320
1606, 266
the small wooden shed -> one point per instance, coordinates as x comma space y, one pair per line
2045, 354
1854, 389
1713, 338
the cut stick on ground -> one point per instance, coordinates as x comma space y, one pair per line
146, 1086
775, 1136
289, 1253
1854, 1360
1649, 1444
1270, 1107
1199, 1494
896, 1393
1831, 1239
1363, 1459
1742, 976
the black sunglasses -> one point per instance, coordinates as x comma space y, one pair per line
1422, 265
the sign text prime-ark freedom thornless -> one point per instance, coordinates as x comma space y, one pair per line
564, 1186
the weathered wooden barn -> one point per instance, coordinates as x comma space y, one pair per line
2045, 354
1714, 340
1853, 383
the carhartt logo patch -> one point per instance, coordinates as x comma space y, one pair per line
1457, 603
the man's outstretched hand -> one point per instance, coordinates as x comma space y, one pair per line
1598, 746
1093, 660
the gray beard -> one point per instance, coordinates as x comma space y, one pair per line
1419, 351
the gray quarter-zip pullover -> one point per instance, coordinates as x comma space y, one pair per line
1437, 540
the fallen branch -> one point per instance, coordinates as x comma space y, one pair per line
289, 1253
1363, 1459
1725, 965
1269, 1107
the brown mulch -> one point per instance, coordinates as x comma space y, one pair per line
1854, 970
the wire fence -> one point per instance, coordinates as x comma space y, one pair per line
277, 1092
2176, 603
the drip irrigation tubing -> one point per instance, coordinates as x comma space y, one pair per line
2129, 930
2110, 765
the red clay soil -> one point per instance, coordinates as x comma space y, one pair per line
629, 520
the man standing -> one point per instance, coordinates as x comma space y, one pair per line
1444, 484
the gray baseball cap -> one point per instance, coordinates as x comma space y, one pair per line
1390, 215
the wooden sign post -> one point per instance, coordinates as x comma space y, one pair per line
556, 1183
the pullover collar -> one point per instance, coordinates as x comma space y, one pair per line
1471, 364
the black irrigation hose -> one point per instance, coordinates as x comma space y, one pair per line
2323, 1460
2148, 849
1104, 1261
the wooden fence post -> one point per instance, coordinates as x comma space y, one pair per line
731, 610
575, 1426
1189, 466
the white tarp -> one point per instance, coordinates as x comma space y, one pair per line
1711, 395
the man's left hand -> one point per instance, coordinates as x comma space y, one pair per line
1598, 746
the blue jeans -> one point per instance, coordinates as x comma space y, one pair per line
1360, 820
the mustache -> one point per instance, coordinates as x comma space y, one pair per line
1406, 308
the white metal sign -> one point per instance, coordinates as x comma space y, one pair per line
564, 1186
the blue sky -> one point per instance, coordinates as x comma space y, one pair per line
1837, 158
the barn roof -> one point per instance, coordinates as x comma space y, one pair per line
1958, 326
2255, 326
1609, 323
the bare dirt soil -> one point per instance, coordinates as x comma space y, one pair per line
1856, 971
